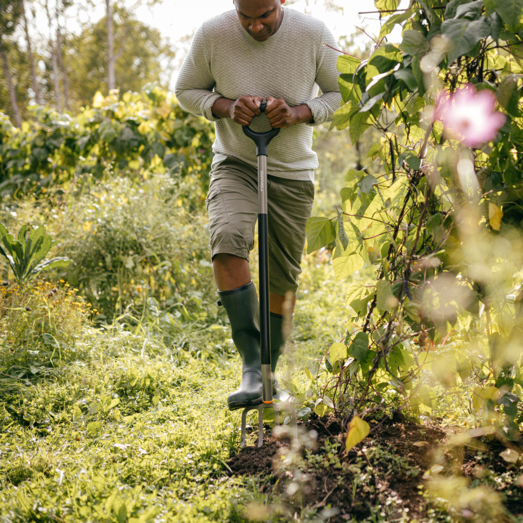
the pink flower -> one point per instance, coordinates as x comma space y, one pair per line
470, 116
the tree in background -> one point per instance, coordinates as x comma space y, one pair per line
142, 56
34, 81
10, 13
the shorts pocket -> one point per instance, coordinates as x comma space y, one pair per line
216, 207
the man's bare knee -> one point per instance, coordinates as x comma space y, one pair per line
230, 271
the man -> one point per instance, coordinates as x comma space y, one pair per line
259, 50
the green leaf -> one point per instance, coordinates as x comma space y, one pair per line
320, 232
385, 300
416, 71
470, 10
386, 5
38, 246
359, 347
414, 43
407, 77
94, 427
367, 183
338, 351
508, 95
342, 116
372, 102
55, 263
509, 10
345, 266
464, 35
431, 14
412, 310
342, 234
394, 20
450, 10
359, 123
348, 64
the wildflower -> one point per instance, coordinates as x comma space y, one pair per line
470, 116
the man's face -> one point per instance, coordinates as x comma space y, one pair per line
260, 18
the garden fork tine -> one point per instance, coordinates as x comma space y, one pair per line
262, 141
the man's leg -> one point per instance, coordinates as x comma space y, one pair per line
233, 272
290, 206
233, 208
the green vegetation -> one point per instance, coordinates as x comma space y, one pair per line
405, 358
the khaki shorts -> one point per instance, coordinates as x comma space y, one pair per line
232, 204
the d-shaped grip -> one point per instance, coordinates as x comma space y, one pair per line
261, 140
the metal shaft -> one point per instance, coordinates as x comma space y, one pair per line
263, 247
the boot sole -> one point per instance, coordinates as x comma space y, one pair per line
247, 403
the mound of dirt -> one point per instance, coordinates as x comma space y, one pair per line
322, 486
393, 459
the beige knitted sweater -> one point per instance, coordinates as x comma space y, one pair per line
225, 61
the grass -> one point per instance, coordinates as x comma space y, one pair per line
133, 429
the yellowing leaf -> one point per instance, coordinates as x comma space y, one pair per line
98, 100
358, 431
495, 214
346, 266
309, 375
338, 351
320, 409
114, 403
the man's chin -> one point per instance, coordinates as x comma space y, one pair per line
261, 38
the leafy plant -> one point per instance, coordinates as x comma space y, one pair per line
444, 309
25, 254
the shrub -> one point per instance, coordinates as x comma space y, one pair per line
130, 241
40, 322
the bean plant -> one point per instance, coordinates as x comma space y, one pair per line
440, 225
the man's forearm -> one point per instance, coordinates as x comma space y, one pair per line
303, 114
222, 107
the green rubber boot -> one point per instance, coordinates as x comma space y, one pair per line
278, 340
244, 314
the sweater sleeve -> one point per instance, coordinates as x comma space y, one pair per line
323, 107
195, 82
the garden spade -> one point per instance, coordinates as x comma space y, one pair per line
262, 141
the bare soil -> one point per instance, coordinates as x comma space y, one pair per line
335, 487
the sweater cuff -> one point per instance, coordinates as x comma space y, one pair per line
319, 114
207, 106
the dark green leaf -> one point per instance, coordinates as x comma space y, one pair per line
372, 102
416, 71
359, 347
470, 11
367, 183
359, 123
450, 10
407, 76
464, 35
414, 43
509, 10
342, 234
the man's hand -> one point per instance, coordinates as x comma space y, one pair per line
241, 111
282, 115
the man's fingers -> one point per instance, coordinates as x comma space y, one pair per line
251, 106
257, 100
